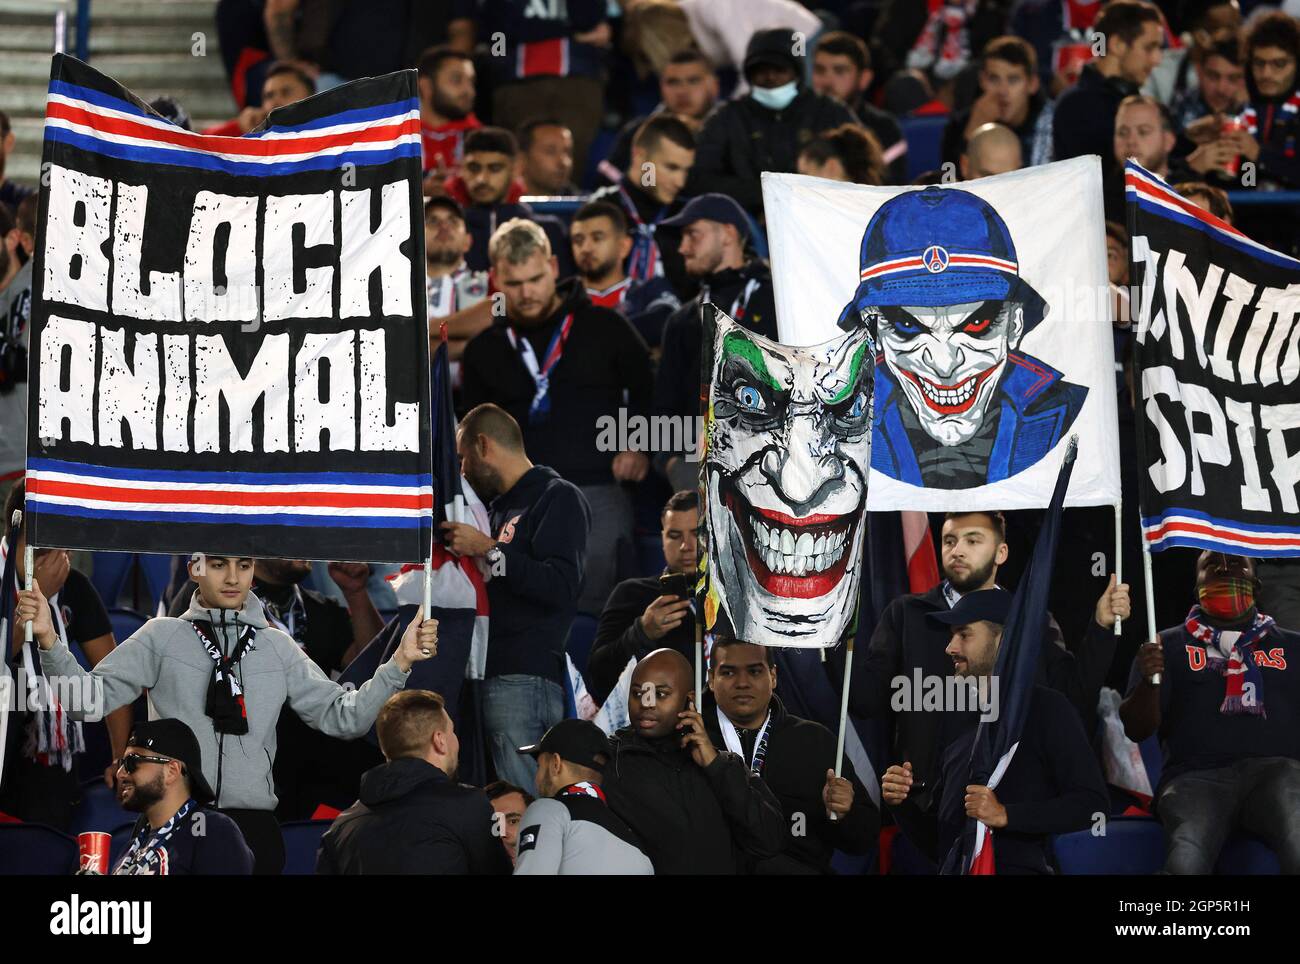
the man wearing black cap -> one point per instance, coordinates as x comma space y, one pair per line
457, 296
714, 245
570, 829
764, 130
161, 778
1052, 785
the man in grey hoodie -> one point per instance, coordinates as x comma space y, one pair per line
223, 671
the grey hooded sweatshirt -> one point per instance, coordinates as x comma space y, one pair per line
168, 658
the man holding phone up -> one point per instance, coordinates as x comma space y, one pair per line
652, 612
695, 809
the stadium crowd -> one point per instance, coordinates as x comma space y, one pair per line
651, 121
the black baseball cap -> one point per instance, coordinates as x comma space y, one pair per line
174, 739
991, 605
712, 207
574, 741
443, 201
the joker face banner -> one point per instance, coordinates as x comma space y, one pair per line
989, 306
784, 483
229, 350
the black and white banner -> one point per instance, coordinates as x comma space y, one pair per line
229, 350
1218, 338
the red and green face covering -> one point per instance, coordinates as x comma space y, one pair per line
1227, 599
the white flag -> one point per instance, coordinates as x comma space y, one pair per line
989, 305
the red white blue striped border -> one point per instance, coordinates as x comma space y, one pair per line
954, 261
1198, 530
1154, 195
333, 499
94, 121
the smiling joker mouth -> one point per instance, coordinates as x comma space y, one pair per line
799, 558
950, 399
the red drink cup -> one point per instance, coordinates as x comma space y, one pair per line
1230, 126
94, 852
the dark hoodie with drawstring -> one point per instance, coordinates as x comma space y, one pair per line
413, 819
691, 819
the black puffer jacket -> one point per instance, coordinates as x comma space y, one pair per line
691, 819
413, 819
742, 138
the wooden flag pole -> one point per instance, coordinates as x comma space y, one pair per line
844, 714
1119, 554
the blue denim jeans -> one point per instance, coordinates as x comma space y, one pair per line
517, 710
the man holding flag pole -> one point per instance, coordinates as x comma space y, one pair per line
1025, 769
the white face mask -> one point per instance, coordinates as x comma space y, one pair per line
776, 98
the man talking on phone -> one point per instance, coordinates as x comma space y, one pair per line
695, 809
654, 611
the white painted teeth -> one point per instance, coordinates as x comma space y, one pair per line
954, 396
783, 552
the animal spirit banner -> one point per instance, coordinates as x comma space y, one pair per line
988, 304
229, 350
1218, 347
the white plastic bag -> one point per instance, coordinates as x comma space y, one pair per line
1121, 757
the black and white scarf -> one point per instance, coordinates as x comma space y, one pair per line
225, 702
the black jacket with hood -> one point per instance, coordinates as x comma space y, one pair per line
691, 819
413, 819
742, 138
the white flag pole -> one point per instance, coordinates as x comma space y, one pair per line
1119, 554
29, 565
844, 715
699, 667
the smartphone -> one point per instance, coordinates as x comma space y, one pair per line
675, 584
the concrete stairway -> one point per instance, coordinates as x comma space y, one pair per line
145, 45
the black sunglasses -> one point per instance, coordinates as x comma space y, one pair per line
131, 761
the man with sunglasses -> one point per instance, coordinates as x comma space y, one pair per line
161, 778
1223, 692
226, 673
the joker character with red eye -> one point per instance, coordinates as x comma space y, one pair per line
785, 484
956, 404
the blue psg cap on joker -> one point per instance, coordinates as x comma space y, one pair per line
939, 246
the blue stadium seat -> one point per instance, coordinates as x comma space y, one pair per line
924, 136
113, 576
1131, 846
33, 848
99, 810
581, 635
126, 623
848, 865
1247, 856
1153, 759
649, 555
301, 841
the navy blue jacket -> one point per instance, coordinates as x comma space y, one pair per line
213, 847
526, 22
1035, 408
1194, 735
1084, 122
541, 526
1053, 785
481, 221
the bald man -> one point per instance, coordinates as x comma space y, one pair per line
992, 149
697, 810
